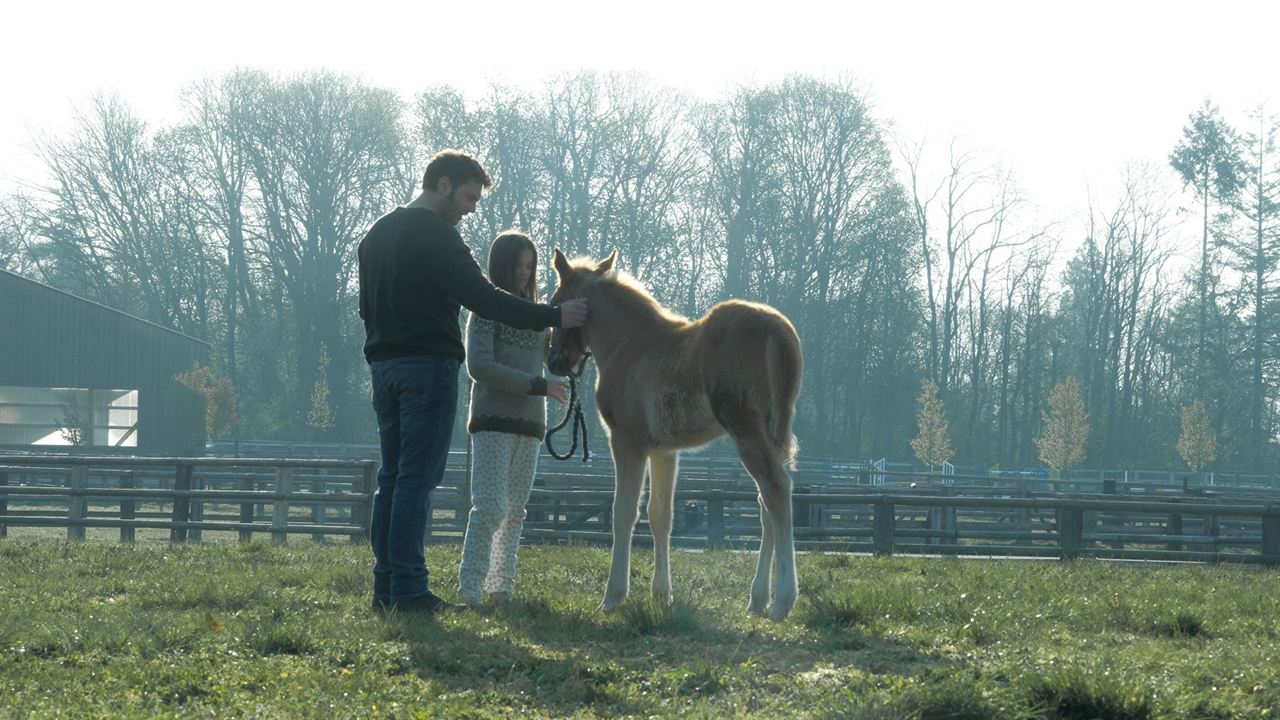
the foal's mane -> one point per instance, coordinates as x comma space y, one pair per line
627, 296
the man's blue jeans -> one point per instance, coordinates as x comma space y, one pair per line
415, 399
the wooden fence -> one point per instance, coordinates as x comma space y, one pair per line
187, 496
716, 507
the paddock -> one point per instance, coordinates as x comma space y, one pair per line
222, 498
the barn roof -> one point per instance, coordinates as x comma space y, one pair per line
7, 275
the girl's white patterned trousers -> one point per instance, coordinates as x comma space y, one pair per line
502, 467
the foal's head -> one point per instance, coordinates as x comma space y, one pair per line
569, 347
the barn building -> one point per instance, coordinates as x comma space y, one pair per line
77, 376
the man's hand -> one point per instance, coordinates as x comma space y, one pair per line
573, 313
557, 390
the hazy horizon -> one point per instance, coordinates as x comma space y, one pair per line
1066, 98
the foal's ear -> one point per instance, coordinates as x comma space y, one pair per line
606, 264
561, 264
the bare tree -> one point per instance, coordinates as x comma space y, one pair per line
18, 217
650, 169
1111, 305
327, 158
578, 132
119, 228
1020, 362
218, 184
836, 184
962, 222
741, 179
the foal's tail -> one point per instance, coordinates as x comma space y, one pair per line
785, 367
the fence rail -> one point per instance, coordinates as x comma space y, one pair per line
187, 496
940, 514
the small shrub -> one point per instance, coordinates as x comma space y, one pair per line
704, 680
648, 617
948, 697
826, 613
1181, 625
1072, 695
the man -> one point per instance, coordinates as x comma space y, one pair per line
415, 271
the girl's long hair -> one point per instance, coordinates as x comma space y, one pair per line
503, 256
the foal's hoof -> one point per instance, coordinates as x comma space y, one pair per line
758, 608
781, 609
608, 605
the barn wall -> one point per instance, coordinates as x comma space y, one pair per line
49, 338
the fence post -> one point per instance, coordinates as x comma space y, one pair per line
246, 508
4, 503
197, 508
715, 519
1109, 524
181, 503
1271, 537
280, 506
1070, 530
79, 506
317, 510
362, 510
800, 509
951, 534
882, 527
1175, 527
1212, 527
128, 507
431, 515
1023, 514
941, 519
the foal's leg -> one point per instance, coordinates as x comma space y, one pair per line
764, 564
775, 497
662, 484
628, 463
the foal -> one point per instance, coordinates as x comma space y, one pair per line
665, 383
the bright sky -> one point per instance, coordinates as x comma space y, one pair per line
1067, 92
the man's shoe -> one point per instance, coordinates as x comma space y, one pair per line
380, 606
428, 604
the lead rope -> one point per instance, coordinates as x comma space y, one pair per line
579, 420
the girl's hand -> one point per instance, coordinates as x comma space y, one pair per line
558, 390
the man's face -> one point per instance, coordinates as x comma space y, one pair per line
461, 201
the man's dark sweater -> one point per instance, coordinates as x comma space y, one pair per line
415, 271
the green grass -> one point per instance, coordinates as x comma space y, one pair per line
101, 629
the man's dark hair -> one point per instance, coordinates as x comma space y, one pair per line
458, 166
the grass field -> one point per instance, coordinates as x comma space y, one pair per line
101, 629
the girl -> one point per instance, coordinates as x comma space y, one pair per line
507, 422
